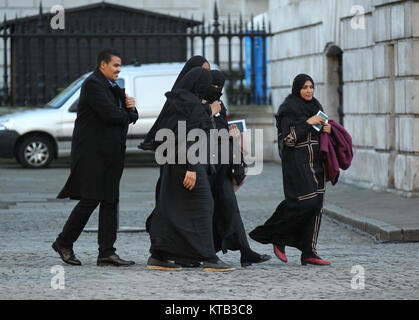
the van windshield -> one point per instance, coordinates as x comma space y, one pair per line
63, 96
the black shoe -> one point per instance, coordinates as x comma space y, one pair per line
155, 264
114, 260
216, 266
187, 264
67, 255
248, 259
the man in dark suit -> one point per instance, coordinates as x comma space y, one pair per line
97, 160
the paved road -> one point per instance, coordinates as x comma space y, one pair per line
31, 218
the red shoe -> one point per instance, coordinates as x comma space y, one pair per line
314, 259
280, 253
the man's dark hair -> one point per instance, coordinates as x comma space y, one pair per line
106, 55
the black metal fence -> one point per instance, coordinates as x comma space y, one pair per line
43, 60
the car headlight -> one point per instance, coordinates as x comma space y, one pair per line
7, 125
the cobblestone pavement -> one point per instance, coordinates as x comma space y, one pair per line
31, 218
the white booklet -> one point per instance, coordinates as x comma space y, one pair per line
318, 127
241, 124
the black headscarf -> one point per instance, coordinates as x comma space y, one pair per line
195, 61
218, 79
197, 81
149, 142
299, 82
297, 106
185, 101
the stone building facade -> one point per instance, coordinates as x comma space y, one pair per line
363, 57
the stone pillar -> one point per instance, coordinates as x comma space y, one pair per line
406, 166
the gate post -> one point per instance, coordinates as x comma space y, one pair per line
5, 74
41, 54
216, 36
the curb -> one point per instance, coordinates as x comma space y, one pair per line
379, 230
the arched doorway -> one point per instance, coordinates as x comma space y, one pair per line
333, 82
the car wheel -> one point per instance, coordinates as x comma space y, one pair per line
35, 152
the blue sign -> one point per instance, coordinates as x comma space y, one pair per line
259, 46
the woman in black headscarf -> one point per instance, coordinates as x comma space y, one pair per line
181, 227
296, 221
229, 232
149, 142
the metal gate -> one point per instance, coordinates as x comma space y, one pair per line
44, 60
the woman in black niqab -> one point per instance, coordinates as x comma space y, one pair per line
181, 227
149, 142
296, 220
162, 120
229, 232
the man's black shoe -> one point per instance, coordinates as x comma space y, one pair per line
114, 260
67, 255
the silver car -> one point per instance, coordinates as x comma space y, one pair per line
38, 136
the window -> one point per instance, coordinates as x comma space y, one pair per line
73, 107
64, 95
150, 90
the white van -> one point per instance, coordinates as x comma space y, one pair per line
38, 136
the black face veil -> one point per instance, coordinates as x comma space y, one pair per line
218, 79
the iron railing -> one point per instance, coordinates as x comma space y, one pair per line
44, 60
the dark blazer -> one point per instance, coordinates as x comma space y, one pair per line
99, 141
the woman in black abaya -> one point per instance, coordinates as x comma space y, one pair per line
181, 227
149, 142
296, 221
229, 232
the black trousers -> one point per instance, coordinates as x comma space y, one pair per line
108, 224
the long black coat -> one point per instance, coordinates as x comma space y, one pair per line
181, 225
99, 141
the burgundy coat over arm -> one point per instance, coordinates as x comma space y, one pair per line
336, 150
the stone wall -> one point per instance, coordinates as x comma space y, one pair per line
380, 73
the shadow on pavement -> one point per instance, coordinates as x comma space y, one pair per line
131, 161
